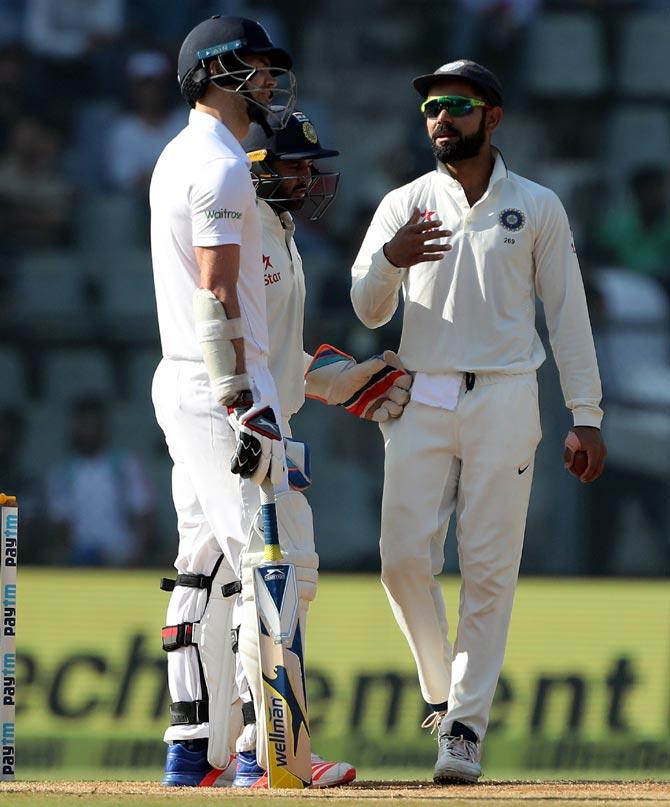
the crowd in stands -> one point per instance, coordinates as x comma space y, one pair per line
88, 99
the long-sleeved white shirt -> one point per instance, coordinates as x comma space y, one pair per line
474, 310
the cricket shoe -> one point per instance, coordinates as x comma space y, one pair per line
324, 774
331, 774
248, 772
458, 756
186, 765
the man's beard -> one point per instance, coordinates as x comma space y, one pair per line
293, 204
464, 148
277, 197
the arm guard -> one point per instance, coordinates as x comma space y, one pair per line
215, 333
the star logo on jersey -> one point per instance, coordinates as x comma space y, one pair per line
512, 219
427, 215
267, 263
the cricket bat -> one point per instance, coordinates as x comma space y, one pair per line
280, 649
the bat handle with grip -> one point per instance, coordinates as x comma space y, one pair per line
271, 550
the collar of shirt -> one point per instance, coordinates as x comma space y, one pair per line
499, 172
282, 222
208, 123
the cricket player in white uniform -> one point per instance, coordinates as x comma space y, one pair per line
471, 244
213, 392
376, 389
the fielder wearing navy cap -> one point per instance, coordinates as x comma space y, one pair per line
485, 81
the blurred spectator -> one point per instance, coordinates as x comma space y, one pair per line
99, 499
75, 44
631, 330
36, 200
155, 116
494, 32
11, 20
15, 480
638, 236
607, 507
163, 22
15, 89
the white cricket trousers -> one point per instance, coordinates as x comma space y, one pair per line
214, 507
478, 462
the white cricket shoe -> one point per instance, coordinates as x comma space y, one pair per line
458, 755
331, 774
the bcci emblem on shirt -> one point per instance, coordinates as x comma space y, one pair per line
512, 219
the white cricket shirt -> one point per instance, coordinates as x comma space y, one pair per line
202, 196
474, 311
285, 293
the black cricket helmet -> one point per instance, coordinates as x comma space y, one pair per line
228, 40
298, 140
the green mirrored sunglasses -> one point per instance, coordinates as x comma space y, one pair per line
456, 106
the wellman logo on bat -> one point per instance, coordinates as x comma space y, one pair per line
283, 699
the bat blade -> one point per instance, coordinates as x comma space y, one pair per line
282, 668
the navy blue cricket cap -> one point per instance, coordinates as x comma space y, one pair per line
485, 81
219, 35
298, 140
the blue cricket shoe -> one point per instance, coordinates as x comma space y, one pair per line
248, 770
186, 765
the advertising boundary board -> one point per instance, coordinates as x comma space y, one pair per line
584, 687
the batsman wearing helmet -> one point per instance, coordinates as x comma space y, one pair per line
288, 181
213, 393
471, 244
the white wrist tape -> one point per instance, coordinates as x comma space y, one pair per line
215, 332
216, 329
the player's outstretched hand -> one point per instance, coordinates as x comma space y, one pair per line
585, 452
260, 450
376, 389
410, 245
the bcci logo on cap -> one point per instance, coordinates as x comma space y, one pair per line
512, 219
310, 132
451, 66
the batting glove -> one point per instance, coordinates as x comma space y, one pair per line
376, 389
259, 452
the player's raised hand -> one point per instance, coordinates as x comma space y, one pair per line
585, 452
410, 245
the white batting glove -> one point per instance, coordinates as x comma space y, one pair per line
376, 389
259, 452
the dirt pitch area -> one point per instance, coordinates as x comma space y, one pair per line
501, 793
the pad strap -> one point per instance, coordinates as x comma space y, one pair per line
187, 633
184, 713
176, 636
248, 713
199, 581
